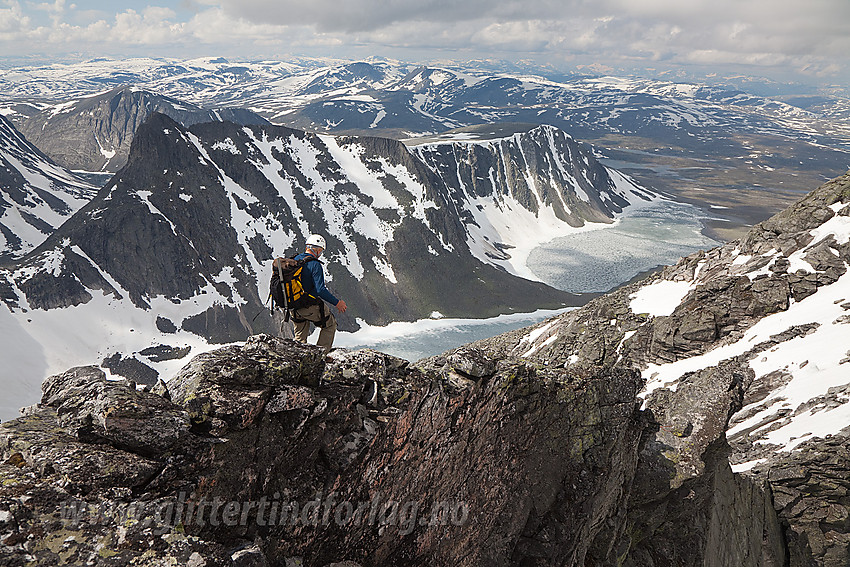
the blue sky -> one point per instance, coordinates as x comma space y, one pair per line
785, 40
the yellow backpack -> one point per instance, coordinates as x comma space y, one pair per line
287, 287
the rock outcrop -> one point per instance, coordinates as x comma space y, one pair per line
267, 454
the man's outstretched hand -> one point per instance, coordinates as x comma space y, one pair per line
341, 306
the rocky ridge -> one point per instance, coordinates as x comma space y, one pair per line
727, 341
92, 473
544, 446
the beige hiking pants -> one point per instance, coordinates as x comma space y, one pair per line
312, 314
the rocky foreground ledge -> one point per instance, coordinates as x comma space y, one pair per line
266, 454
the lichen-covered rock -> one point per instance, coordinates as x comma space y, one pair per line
387, 381
229, 387
39, 443
461, 368
92, 408
537, 460
693, 418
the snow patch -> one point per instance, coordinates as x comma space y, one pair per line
226, 145
380, 116
540, 346
385, 269
838, 226
813, 369
536, 333
659, 299
743, 467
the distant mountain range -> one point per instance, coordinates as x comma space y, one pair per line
175, 250
706, 144
437, 95
94, 133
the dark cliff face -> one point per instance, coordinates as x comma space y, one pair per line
473, 463
95, 133
542, 166
36, 195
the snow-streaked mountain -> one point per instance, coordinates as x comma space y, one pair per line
746, 358
516, 191
433, 99
175, 251
795, 351
95, 133
775, 304
36, 195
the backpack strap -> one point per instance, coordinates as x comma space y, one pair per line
324, 315
279, 263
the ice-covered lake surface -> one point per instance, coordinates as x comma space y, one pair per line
651, 235
654, 235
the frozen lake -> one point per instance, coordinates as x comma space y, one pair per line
650, 235
654, 235
428, 337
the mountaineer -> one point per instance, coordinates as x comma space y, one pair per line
304, 292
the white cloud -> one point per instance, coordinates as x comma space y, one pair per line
152, 26
369, 15
211, 25
56, 10
12, 19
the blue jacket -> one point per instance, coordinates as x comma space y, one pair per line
315, 285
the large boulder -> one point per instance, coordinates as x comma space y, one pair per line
92, 408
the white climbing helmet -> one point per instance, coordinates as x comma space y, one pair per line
316, 240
